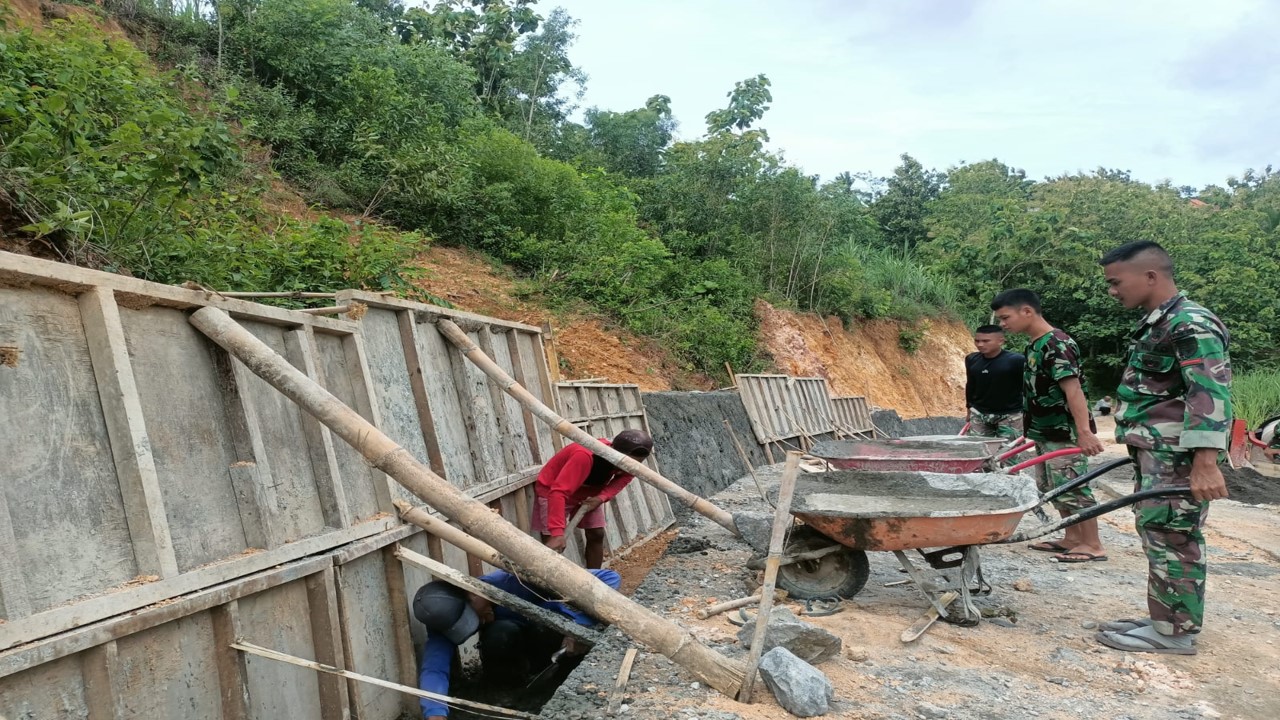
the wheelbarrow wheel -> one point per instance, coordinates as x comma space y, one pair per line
842, 573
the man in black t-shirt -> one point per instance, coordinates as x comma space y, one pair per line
993, 391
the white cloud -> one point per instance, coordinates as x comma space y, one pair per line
1168, 89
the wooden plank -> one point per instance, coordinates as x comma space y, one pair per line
549, 377
232, 684
251, 473
375, 300
13, 584
100, 667
533, 358
518, 368
462, 384
386, 489
421, 399
322, 601
506, 437
523, 516
127, 432
355, 692
20, 270
438, 380
358, 477
85, 636
66, 617
302, 353
401, 626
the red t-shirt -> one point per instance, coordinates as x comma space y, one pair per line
562, 481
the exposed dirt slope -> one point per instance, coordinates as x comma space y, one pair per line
868, 359
587, 346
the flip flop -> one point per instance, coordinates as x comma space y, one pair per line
1124, 625
1138, 643
1049, 546
1078, 557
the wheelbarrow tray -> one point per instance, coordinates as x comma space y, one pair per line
913, 510
992, 444
897, 455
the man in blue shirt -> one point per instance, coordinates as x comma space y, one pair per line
507, 640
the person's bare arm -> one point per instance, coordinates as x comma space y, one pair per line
1079, 409
1207, 482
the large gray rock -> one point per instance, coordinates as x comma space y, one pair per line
808, 642
755, 528
800, 688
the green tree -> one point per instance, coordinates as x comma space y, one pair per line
630, 143
902, 208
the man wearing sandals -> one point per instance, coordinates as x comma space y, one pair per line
1174, 413
1056, 417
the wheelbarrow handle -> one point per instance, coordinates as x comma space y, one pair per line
1087, 477
963, 430
1093, 512
1035, 460
1019, 448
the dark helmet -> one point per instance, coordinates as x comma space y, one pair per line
444, 609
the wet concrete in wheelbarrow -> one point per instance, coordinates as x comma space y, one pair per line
1035, 659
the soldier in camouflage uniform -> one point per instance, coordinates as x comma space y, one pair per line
1175, 415
1056, 416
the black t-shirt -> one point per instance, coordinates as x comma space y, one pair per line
994, 385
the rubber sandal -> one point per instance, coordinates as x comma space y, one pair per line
822, 607
1137, 643
1078, 557
1049, 546
1124, 625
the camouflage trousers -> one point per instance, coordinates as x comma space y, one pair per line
1170, 532
1058, 472
1003, 425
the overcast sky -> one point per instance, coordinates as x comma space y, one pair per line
1185, 91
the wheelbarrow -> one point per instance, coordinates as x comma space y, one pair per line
939, 456
944, 517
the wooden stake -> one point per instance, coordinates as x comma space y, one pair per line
553, 620
746, 460
564, 427
573, 521
619, 685
711, 610
332, 310
529, 557
250, 648
781, 522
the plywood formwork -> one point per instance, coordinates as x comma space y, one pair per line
783, 408
605, 410
159, 501
853, 415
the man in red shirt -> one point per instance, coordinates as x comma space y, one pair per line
574, 478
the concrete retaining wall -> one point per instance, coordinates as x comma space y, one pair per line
889, 423
692, 444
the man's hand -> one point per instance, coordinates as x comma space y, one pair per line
483, 608
1089, 443
556, 542
1207, 482
572, 647
591, 503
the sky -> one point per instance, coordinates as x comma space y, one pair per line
1170, 90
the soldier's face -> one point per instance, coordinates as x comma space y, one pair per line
1130, 285
988, 343
1015, 319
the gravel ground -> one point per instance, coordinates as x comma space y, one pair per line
1036, 659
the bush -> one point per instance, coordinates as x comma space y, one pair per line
1256, 396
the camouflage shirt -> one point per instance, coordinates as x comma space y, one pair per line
1051, 358
1176, 390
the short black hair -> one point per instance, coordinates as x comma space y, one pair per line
989, 330
1015, 298
1129, 251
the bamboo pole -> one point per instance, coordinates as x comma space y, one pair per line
332, 310
564, 427
286, 295
250, 648
781, 521
553, 620
533, 561
451, 535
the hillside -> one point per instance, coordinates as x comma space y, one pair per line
866, 359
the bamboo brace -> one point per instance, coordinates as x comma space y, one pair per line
473, 353
530, 558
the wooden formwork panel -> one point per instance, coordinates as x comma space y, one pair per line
604, 410
853, 415
143, 462
781, 407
